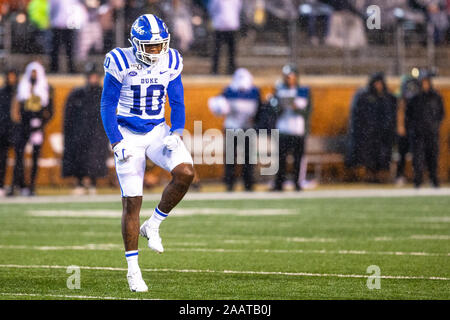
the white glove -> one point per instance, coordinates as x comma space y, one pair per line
171, 142
122, 152
219, 105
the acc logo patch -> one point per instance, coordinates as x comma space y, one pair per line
132, 73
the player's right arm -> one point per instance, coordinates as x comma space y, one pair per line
112, 85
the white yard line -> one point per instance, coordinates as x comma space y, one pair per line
12, 294
430, 237
319, 240
275, 273
109, 247
317, 194
415, 237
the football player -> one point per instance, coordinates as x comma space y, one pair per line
136, 82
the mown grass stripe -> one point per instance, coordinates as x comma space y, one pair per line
274, 273
110, 246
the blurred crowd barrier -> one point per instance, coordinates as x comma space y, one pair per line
331, 98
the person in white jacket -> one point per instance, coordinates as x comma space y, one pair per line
225, 16
65, 18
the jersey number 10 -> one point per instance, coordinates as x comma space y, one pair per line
150, 109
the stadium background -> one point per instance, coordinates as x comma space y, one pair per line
266, 43
332, 97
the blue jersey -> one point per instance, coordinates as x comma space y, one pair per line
295, 106
143, 89
243, 107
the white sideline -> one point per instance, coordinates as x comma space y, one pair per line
67, 296
308, 194
276, 273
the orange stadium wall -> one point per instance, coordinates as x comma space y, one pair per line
331, 104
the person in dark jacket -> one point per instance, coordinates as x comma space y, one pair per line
372, 128
408, 89
341, 5
424, 114
31, 110
7, 93
85, 143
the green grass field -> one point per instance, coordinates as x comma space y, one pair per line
233, 249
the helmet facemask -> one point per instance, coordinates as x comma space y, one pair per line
143, 50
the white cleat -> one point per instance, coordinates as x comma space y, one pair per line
136, 282
152, 234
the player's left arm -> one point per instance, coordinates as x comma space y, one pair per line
175, 92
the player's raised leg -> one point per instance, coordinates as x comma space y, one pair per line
182, 176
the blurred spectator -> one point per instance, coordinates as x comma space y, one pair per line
292, 103
392, 10
13, 5
424, 114
372, 128
157, 7
280, 13
19, 27
38, 13
225, 16
203, 4
85, 143
318, 15
347, 27
239, 104
282, 9
106, 18
266, 118
31, 110
409, 88
7, 93
178, 17
435, 13
65, 18
90, 35
135, 8
181, 25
